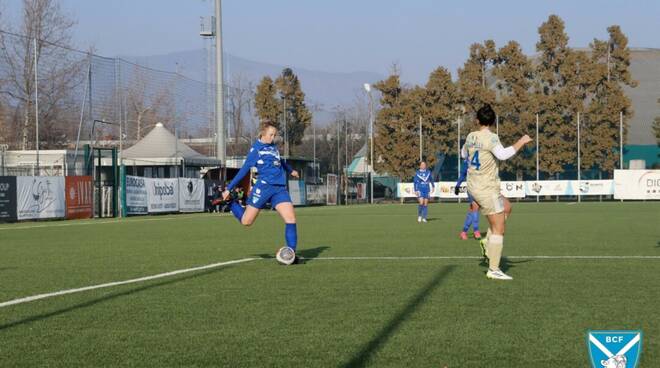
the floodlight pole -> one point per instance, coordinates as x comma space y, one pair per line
537, 153
621, 140
421, 142
36, 102
219, 97
578, 157
367, 87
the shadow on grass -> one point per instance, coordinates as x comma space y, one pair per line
307, 254
362, 357
505, 263
93, 302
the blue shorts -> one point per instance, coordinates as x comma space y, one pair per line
424, 193
263, 193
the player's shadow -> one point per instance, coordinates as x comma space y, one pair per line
93, 302
505, 263
307, 254
362, 357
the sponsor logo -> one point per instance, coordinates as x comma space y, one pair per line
41, 196
650, 182
164, 190
4, 187
134, 181
510, 187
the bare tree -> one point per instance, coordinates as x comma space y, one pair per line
241, 99
59, 69
149, 103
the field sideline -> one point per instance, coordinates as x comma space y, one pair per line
377, 289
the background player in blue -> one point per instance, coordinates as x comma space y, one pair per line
472, 216
423, 183
269, 187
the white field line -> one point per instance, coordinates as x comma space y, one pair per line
97, 222
395, 258
117, 283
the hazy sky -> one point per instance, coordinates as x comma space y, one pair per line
351, 35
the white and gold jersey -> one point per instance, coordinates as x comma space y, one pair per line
483, 172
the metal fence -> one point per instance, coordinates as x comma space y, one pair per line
52, 97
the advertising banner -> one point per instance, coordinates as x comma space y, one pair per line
592, 187
513, 189
637, 184
549, 188
445, 189
136, 195
163, 195
79, 197
40, 197
7, 198
191, 195
297, 192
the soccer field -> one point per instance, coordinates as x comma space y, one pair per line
377, 289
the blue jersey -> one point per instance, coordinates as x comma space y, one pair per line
423, 181
463, 175
271, 168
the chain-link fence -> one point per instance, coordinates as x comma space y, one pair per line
57, 98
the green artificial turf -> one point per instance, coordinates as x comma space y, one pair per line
330, 312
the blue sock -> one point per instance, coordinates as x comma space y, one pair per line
237, 210
419, 210
468, 221
425, 211
475, 220
291, 236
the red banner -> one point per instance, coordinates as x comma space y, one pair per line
79, 197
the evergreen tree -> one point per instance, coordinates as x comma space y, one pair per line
394, 143
555, 71
296, 114
611, 61
440, 111
266, 103
516, 107
473, 79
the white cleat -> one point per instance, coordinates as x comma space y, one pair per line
498, 275
424, 220
419, 219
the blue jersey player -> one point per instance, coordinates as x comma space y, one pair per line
269, 187
472, 217
423, 183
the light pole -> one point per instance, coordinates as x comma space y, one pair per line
367, 87
578, 157
220, 97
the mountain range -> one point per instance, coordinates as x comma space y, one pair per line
326, 90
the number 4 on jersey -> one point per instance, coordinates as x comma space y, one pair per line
475, 160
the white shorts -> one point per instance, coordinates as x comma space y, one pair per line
489, 203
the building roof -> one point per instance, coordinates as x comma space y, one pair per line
161, 147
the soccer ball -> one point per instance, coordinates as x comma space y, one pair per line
285, 256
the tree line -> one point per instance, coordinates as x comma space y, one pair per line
557, 83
